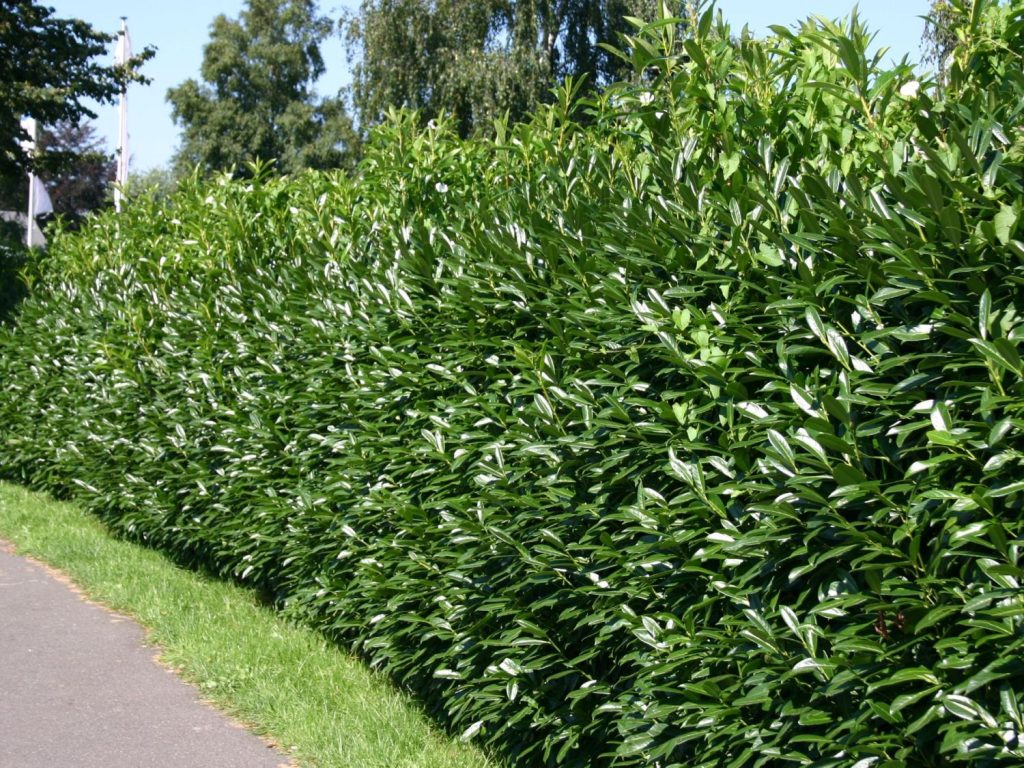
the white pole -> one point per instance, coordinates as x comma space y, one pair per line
33, 128
123, 54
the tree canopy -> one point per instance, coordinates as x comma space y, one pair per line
84, 184
256, 100
478, 59
48, 70
939, 38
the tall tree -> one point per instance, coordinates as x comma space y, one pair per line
477, 59
84, 184
48, 70
74, 166
257, 99
160, 182
939, 37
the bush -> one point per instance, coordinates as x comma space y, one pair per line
688, 433
15, 269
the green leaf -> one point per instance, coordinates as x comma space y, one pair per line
730, 164
905, 700
972, 530
934, 616
1005, 222
770, 256
940, 418
782, 447
978, 9
791, 620
815, 324
1005, 490
999, 431
1002, 352
679, 410
837, 345
1008, 701
960, 706
911, 674
471, 731
803, 400
634, 745
984, 314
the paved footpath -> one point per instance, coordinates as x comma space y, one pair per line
79, 689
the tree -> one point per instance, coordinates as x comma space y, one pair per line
48, 70
84, 184
257, 100
477, 59
160, 182
939, 37
75, 168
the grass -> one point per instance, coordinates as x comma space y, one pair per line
287, 683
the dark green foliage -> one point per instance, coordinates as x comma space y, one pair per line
256, 101
14, 260
686, 435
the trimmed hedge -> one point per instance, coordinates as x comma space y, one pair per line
678, 427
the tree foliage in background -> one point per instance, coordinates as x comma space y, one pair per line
939, 37
75, 167
256, 100
84, 183
947, 25
477, 60
159, 183
48, 70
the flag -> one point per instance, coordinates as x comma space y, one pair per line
123, 52
38, 198
122, 55
43, 203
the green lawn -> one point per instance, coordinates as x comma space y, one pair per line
288, 683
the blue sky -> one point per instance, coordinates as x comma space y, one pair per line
180, 28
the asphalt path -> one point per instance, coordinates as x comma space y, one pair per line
79, 688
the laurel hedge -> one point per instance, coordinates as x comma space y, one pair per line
681, 426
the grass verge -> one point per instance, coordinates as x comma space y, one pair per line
286, 682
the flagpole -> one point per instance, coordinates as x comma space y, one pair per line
121, 178
30, 227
